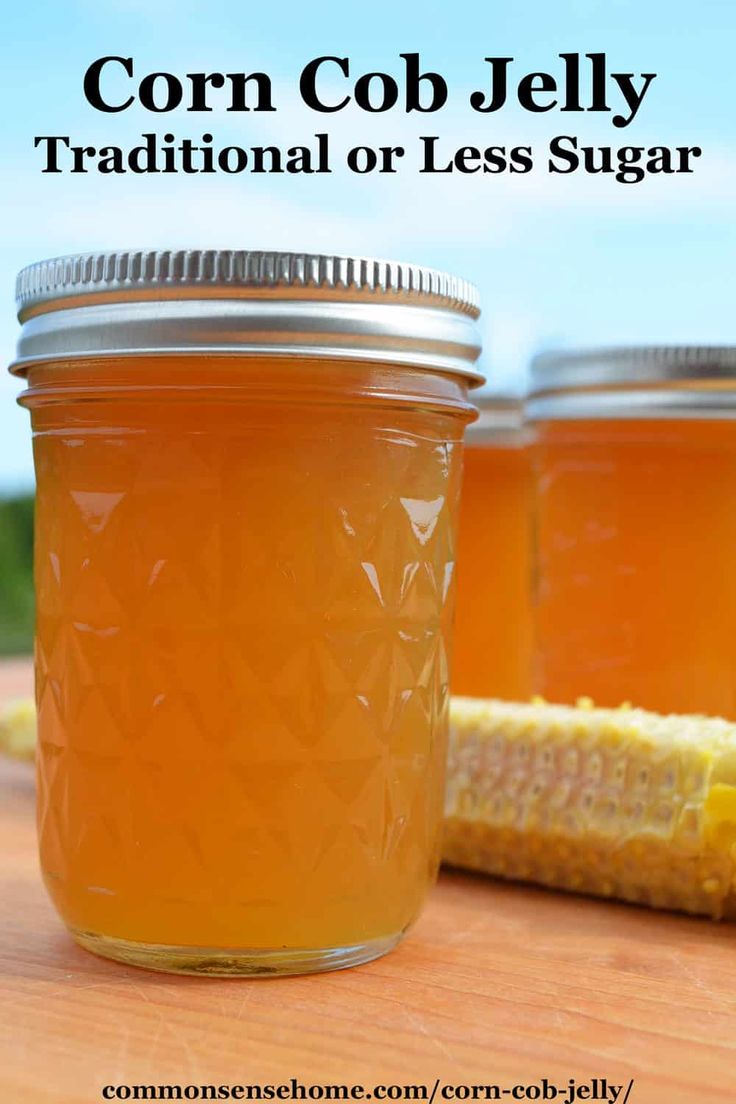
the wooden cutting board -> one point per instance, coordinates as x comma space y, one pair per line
497, 985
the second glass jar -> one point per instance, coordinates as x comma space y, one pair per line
636, 521
492, 649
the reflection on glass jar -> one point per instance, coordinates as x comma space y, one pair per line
492, 647
636, 518
244, 570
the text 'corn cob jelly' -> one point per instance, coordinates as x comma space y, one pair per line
248, 468
635, 528
492, 647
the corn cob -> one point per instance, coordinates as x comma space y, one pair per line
613, 802
18, 729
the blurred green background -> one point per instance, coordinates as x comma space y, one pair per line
16, 575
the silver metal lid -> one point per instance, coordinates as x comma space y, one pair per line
638, 381
149, 302
500, 420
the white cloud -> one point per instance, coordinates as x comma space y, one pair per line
409, 209
375, 214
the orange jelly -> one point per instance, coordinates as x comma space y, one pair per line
636, 521
245, 576
492, 650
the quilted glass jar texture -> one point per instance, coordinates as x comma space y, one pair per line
248, 470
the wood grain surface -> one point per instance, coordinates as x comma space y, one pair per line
498, 984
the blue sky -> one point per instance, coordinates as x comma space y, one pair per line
566, 258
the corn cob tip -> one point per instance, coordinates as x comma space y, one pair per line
18, 729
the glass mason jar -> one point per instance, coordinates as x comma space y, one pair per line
248, 467
492, 648
636, 524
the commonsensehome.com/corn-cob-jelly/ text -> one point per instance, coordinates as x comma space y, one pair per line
248, 470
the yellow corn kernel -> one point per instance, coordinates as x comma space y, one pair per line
18, 729
613, 802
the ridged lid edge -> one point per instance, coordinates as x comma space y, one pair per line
629, 364
132, 271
